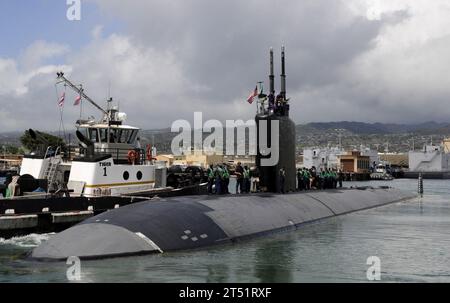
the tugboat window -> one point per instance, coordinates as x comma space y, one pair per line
112, 136
132, 137
139, 175
126, 175
103, 137
93, 135
125, 135
120, 136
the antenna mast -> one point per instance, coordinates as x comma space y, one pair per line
271, 75
283, 73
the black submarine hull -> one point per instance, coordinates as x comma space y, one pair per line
182, 223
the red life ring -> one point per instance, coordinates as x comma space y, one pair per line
132, 156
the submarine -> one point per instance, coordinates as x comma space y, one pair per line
193, 222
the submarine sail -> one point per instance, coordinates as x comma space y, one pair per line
281, 140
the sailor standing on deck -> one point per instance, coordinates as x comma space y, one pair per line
246, 179
239, 172
300, 180
282, 179
321, 183
307, 179
254, 180
335, 178
340, 178
218, 178
314, 180
225, 179
210, 174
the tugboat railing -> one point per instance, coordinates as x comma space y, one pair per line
46, 152
50, 153
119, 155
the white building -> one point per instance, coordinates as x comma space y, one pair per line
322, 157
328, 157
432, 158
373, 154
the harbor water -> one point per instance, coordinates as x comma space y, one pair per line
410, 239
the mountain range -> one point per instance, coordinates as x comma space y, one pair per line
362, 128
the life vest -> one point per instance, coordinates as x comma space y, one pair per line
225, 173
210, 173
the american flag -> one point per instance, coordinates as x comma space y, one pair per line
77, 101
61, 100
252, 95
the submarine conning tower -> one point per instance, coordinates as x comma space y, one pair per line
282, 142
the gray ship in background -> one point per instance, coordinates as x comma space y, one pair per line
179, 223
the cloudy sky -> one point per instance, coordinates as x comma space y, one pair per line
356, 60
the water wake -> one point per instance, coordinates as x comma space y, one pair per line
28, 241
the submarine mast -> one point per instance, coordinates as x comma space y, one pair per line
283, 74
271, 75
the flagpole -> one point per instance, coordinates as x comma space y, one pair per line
81, 101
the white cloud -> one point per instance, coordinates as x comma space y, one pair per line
404, 77
39, 51
10, 82
97, 32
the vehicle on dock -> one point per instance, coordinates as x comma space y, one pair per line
179, 176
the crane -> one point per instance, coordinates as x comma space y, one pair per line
80, 91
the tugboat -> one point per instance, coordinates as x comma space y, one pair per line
110, 161
381, 173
